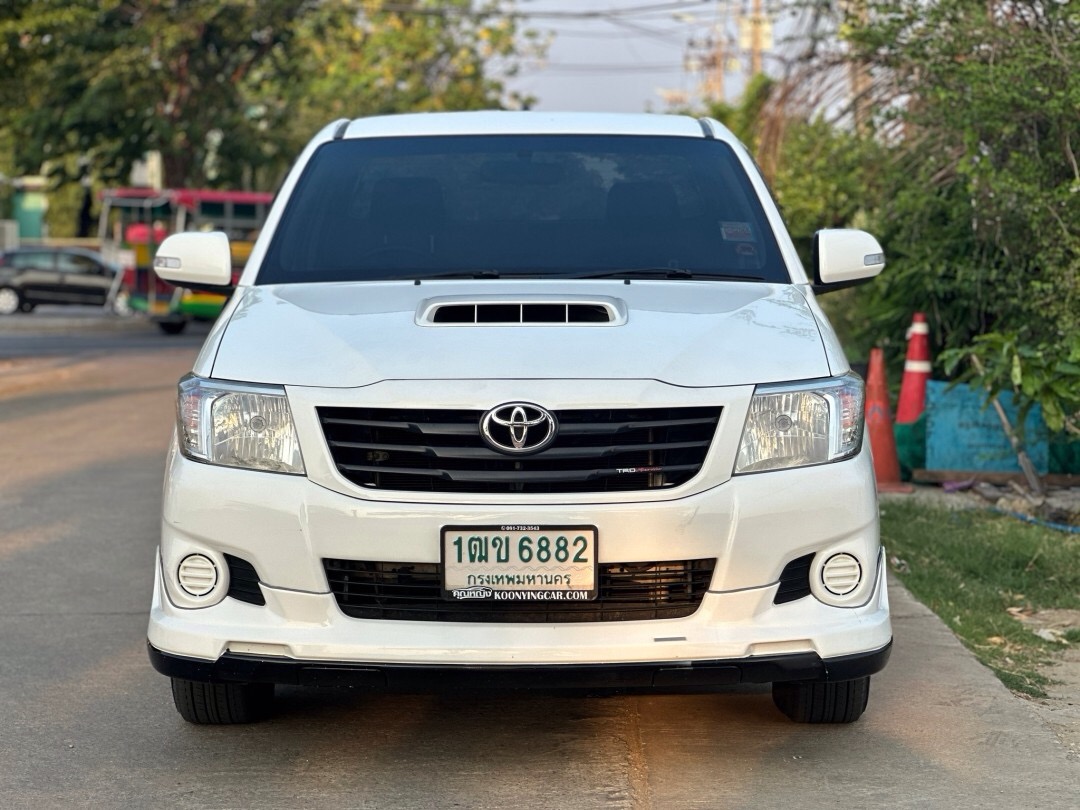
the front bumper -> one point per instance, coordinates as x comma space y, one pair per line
752, 525
745, 624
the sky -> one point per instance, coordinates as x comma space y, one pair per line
625, 55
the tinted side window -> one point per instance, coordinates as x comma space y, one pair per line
74, 263
34, 261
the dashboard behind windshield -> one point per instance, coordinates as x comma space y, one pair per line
528, 205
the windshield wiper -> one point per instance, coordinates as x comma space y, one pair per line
456, 274
660, 272
625, 273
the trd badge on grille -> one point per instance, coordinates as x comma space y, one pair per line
518, 428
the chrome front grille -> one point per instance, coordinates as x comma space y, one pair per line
595, 450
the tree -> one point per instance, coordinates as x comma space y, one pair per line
991, 88
226, 90
375, 57
976, 110
112, 80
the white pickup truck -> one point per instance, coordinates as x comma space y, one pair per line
521, 400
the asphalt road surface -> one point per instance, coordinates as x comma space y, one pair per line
85, 415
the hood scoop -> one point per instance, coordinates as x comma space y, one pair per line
522, 311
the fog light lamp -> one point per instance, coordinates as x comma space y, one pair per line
197, 574
841, 574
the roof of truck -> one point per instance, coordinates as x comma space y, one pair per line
499, 122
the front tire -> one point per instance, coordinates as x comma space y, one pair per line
10, 301
822, 701
222, 703
172, 327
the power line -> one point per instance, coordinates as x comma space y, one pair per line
652, 33
671, 36
585, 67
606, 14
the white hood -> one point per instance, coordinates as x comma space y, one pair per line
681, 332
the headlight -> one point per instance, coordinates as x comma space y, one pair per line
798, 424
237, 425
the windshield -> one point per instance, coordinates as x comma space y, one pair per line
528, 205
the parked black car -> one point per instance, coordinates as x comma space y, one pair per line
31, 276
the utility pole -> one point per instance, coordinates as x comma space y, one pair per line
709, 57
755, 35
859, 73
719, 53
715, 67
757, 22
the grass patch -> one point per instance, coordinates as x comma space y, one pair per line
971, 567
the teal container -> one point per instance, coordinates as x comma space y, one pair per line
29, 204
963, 432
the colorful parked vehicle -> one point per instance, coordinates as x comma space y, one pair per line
134, 221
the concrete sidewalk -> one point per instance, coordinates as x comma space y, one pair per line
961, 726
940, 732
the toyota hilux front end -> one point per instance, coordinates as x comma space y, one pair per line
521, 400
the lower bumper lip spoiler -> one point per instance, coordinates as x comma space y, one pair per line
423, 678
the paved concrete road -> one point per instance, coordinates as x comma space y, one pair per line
58, 331
85, 722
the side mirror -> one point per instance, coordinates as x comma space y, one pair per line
843, 258
195, 260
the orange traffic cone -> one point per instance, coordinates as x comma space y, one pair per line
880, 429
917, 367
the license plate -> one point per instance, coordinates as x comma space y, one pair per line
519, 562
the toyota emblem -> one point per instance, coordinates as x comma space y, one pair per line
518, 428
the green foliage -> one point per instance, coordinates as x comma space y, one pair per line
745, 118
228, 91
936, 265
823, 179
363, 60
1039, 374
971, 567
111, 80
981, 211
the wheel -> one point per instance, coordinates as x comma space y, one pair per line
222, 703
172, 327
26, 306
822, 701
10, 301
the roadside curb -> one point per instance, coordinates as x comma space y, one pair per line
29, 324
